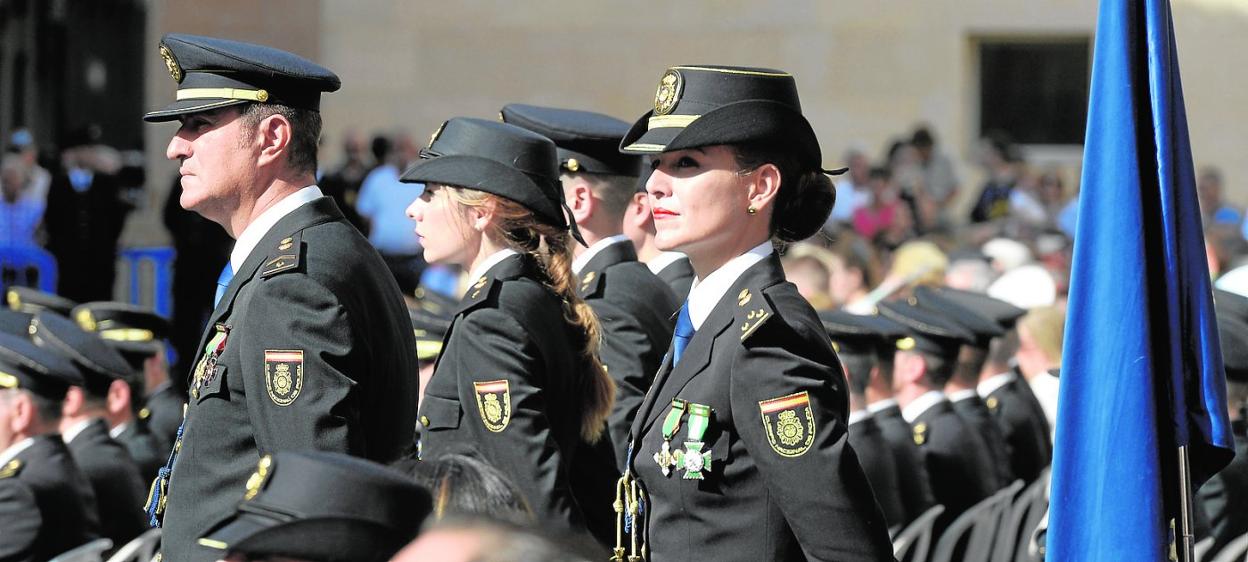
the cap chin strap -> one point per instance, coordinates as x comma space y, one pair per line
576, 232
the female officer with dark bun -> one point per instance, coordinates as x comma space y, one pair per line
518, 380
740, 450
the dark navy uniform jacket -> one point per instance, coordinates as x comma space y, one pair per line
506, 387
679, 276
975, 413
881, 469
119, 491
19, 516
309, 348
960, 468
783, 481
66, 502
1020, 418
916, 485
635, 310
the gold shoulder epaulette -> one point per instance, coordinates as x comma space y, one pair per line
11, 469
286, 256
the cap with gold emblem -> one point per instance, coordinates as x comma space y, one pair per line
26, 299
136, 332
14, 322
322, 506
926, 331
213, 73
99, 363
859, 334
587, 142
703, 105
24, 365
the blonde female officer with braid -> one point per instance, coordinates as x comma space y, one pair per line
518, 381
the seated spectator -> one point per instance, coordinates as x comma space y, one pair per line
999, 160
880, 212
488, 541
853, 190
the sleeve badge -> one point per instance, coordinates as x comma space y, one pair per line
493, 403
789, 424
283, 375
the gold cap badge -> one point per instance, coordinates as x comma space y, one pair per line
85, 320
905, 344
572, 165
175, 70
668, 94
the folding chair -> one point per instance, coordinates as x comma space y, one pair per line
1234, 551
914, 540
1011, 532
141, 549
963, 533
90, 552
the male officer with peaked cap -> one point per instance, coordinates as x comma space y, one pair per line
309, 346
634, 307
33, 382
960, 468
138, 334
113, 475
321, 507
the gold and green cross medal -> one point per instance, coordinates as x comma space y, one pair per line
671, 424
693, 459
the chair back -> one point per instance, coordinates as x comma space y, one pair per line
913, 542
141, 549
27, 266
89, 552
1234, 551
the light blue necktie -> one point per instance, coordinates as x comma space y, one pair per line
223, 281
684, 332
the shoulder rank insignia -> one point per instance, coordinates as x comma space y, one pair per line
259, 478
752, 312
11, 469
283, 375
920, 433
493, 403
287, 255
477, 291
789, 424
992, 403
589, 284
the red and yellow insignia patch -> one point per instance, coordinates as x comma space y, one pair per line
283, 375
494, 404
789, 424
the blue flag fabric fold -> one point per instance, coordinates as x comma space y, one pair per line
1142, 366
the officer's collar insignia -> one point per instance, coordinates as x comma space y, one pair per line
145, 413
476, 287
493, 403
10, 469
789, 424
283, 375
905, 344
285, 244
992, 402
920, 433
668, 93
264, 469
175, 70
85, 320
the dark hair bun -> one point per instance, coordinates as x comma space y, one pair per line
805, 210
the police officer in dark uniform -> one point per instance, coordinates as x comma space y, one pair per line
634, 307
33, 382
19, 516
138, 335
916, 488
518, 380
961, 390
1008, 398
959, 465
740, 449
309, 346
321, 507
112, 472
855, 339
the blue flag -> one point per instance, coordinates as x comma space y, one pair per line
1141, 367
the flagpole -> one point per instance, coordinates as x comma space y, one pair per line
1185, 536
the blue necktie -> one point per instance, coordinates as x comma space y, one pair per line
684, 333
223, 281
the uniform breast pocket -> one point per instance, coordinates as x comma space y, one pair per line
213, 385
437, 413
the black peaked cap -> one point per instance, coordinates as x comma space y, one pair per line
705, 105
317, 505
859, 333
213, 73
496, 158
99, 363
1001, 312
15, 323
981, 326
24, 365
926, 331
26, 299
587, 142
